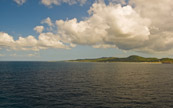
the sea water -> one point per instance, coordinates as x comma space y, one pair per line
85, 85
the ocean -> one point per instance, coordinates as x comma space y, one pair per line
85, 85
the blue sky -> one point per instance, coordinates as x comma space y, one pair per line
20, 19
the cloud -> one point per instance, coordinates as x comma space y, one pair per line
49, 3
49, 40
13, 55
6, 40
47, 21
137, 25
39, 29
160, 12
44, 41
144, 26
104, 46
122, 2
58, 2
20, 2
1, 55
108, 25
32, 54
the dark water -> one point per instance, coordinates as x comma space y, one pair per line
85, 85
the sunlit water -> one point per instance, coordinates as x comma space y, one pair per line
85, 85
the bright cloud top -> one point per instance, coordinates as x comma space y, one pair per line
108, 24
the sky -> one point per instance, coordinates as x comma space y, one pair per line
53, 30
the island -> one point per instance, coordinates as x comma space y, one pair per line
133, 58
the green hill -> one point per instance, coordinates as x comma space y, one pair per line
133, 58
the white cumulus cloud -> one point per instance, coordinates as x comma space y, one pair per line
39, 29
108, 25
139, 25
44, 41
47, 21
160, 12
5, 39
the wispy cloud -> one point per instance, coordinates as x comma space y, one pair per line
58, 2
2, 55
33, 55
13, 55
20, 2
49, 3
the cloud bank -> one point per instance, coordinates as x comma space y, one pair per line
137, 25
44, 41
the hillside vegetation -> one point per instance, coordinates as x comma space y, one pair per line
132, 58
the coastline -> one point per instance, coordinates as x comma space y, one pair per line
130, 59
118, 62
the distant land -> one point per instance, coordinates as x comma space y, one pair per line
133, 58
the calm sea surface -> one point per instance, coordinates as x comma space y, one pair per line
85, 85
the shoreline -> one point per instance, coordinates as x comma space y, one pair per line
121, 62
